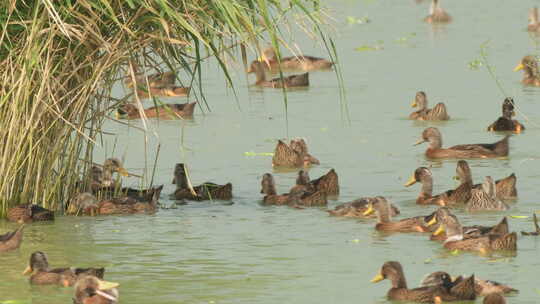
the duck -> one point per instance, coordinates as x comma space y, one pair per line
41, 274
293, 81
27, 213
485, 199
456, 240
168, 111
203, 192
481, 287
437, 113
442, 216
529, 65
381, 206
168, 91
437, 14
156, 80
11, 240
87, 204
308, 197
92, 290
357, 208
102, 176
505, 122
294, 155
435, 151
328, 183
423, 175
494, 298
536, 231
505, 188
534, 25
302, 62
393, 271
462, 193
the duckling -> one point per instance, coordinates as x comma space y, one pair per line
529, 65
534, 25
437, 113
203, 192
168, 111
299, 196
168, 91
505, 122
383, 210
357, 208
292, 81
435, 150
27, 213
494, 298
393, 271
437, 14
485, 199
41, 274
302, 62
455, 238
87, 204
91, 290
295, 155
11, 240
481, 287
328, 183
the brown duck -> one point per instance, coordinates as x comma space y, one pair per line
358, 207
168, 111
455, 238
435, 150
294, 155
27, 213
423, 175
505, 123
328, 183
437, 113
505, 188
297, 63
529, 65
383, 210
169, 91
534, 25
309, 197
292, 81
91, 290
494, 298
481, 287
485, 199
428, 294
203, 192
41, 274
11, 240
437, 14
156, 80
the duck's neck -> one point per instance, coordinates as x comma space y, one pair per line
106, 177
383, 214
399, 281
507, 114
269, 190
259, 73
180, 180
435, 143
427, 186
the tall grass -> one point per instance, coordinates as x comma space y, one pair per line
60, 58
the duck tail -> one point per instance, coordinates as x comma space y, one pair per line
502, 146
439, 112
189, 108
501, 227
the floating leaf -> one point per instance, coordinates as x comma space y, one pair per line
454, 252
252, 153
475, 64
353, 20
356, 241
428, 261
519, 216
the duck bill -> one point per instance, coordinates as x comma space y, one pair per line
123, 172
118, 115
369, 211
412, 180
72, 209
106, 296
439, 230
519, 67
455, 177
106, 285
421, 141
432, 222
379, 277
28, 270
414, 104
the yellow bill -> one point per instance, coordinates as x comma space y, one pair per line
369, 211
421, 141
106, 285
432, 222
28, 270
123, 172
519, 67
455, 177
414, 104
412, 180
379, 277
439, 230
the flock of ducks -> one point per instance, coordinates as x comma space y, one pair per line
105, 196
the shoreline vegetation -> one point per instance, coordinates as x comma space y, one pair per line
60, 60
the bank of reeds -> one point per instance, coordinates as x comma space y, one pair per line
60, 58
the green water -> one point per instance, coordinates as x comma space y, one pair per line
246, 253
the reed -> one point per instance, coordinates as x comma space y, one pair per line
60, 59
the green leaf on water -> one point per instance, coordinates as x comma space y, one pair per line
475, 64
519, 216
252, 153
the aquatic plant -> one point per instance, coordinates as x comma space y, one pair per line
60, 59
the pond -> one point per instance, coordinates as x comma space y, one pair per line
212, 252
